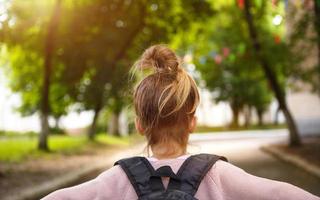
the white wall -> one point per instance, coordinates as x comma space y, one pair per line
305, 108
210, 113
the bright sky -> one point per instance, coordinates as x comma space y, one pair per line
11, 120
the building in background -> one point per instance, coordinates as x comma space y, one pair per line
303, 103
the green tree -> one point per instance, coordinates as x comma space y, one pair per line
77, 56
229, 69
47, 65
120, 94
104, 38
304, 33
260, 99
30, 39
239, 76
270, 74
118, 31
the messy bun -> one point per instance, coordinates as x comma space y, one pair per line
159, 57
165, 100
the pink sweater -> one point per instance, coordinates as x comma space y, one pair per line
223, 181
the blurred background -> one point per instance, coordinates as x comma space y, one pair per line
66, 90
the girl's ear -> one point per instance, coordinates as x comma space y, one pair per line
138, 126
193, 124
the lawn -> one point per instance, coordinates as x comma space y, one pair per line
16, 149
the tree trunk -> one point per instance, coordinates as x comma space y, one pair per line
93, 127
247, 116
114, 125
43, 136
272, 78
260, 117
45, 106
294, 136
57, 123
317, 27
235, 116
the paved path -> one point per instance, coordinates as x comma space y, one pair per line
242, 149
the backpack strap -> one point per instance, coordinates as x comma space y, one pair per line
138, 171
193, 171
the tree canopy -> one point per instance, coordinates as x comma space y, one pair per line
57, 54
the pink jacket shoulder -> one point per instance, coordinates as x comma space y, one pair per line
224, 181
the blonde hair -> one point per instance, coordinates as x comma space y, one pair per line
166, 100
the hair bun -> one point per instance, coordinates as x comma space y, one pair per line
161, 58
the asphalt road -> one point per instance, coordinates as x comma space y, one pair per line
243, 150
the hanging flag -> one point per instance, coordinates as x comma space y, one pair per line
218, 59
241, 4
277, 39
213, 53
274, 3
225, 51
286, 4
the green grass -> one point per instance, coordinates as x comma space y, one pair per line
205, 129
17, 134
16, 149
111, 140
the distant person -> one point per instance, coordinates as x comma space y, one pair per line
165, 103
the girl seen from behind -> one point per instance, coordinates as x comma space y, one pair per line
165, 102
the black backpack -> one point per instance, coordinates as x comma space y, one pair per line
148, 184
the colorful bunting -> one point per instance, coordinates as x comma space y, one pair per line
225, 51
241, 4
218, 59
286, 4
274, 3
277, 39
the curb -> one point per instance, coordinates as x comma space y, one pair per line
293, 159
45, 188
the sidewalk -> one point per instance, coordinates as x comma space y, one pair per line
95, 165
305, 157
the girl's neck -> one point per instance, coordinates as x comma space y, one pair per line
168, 151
